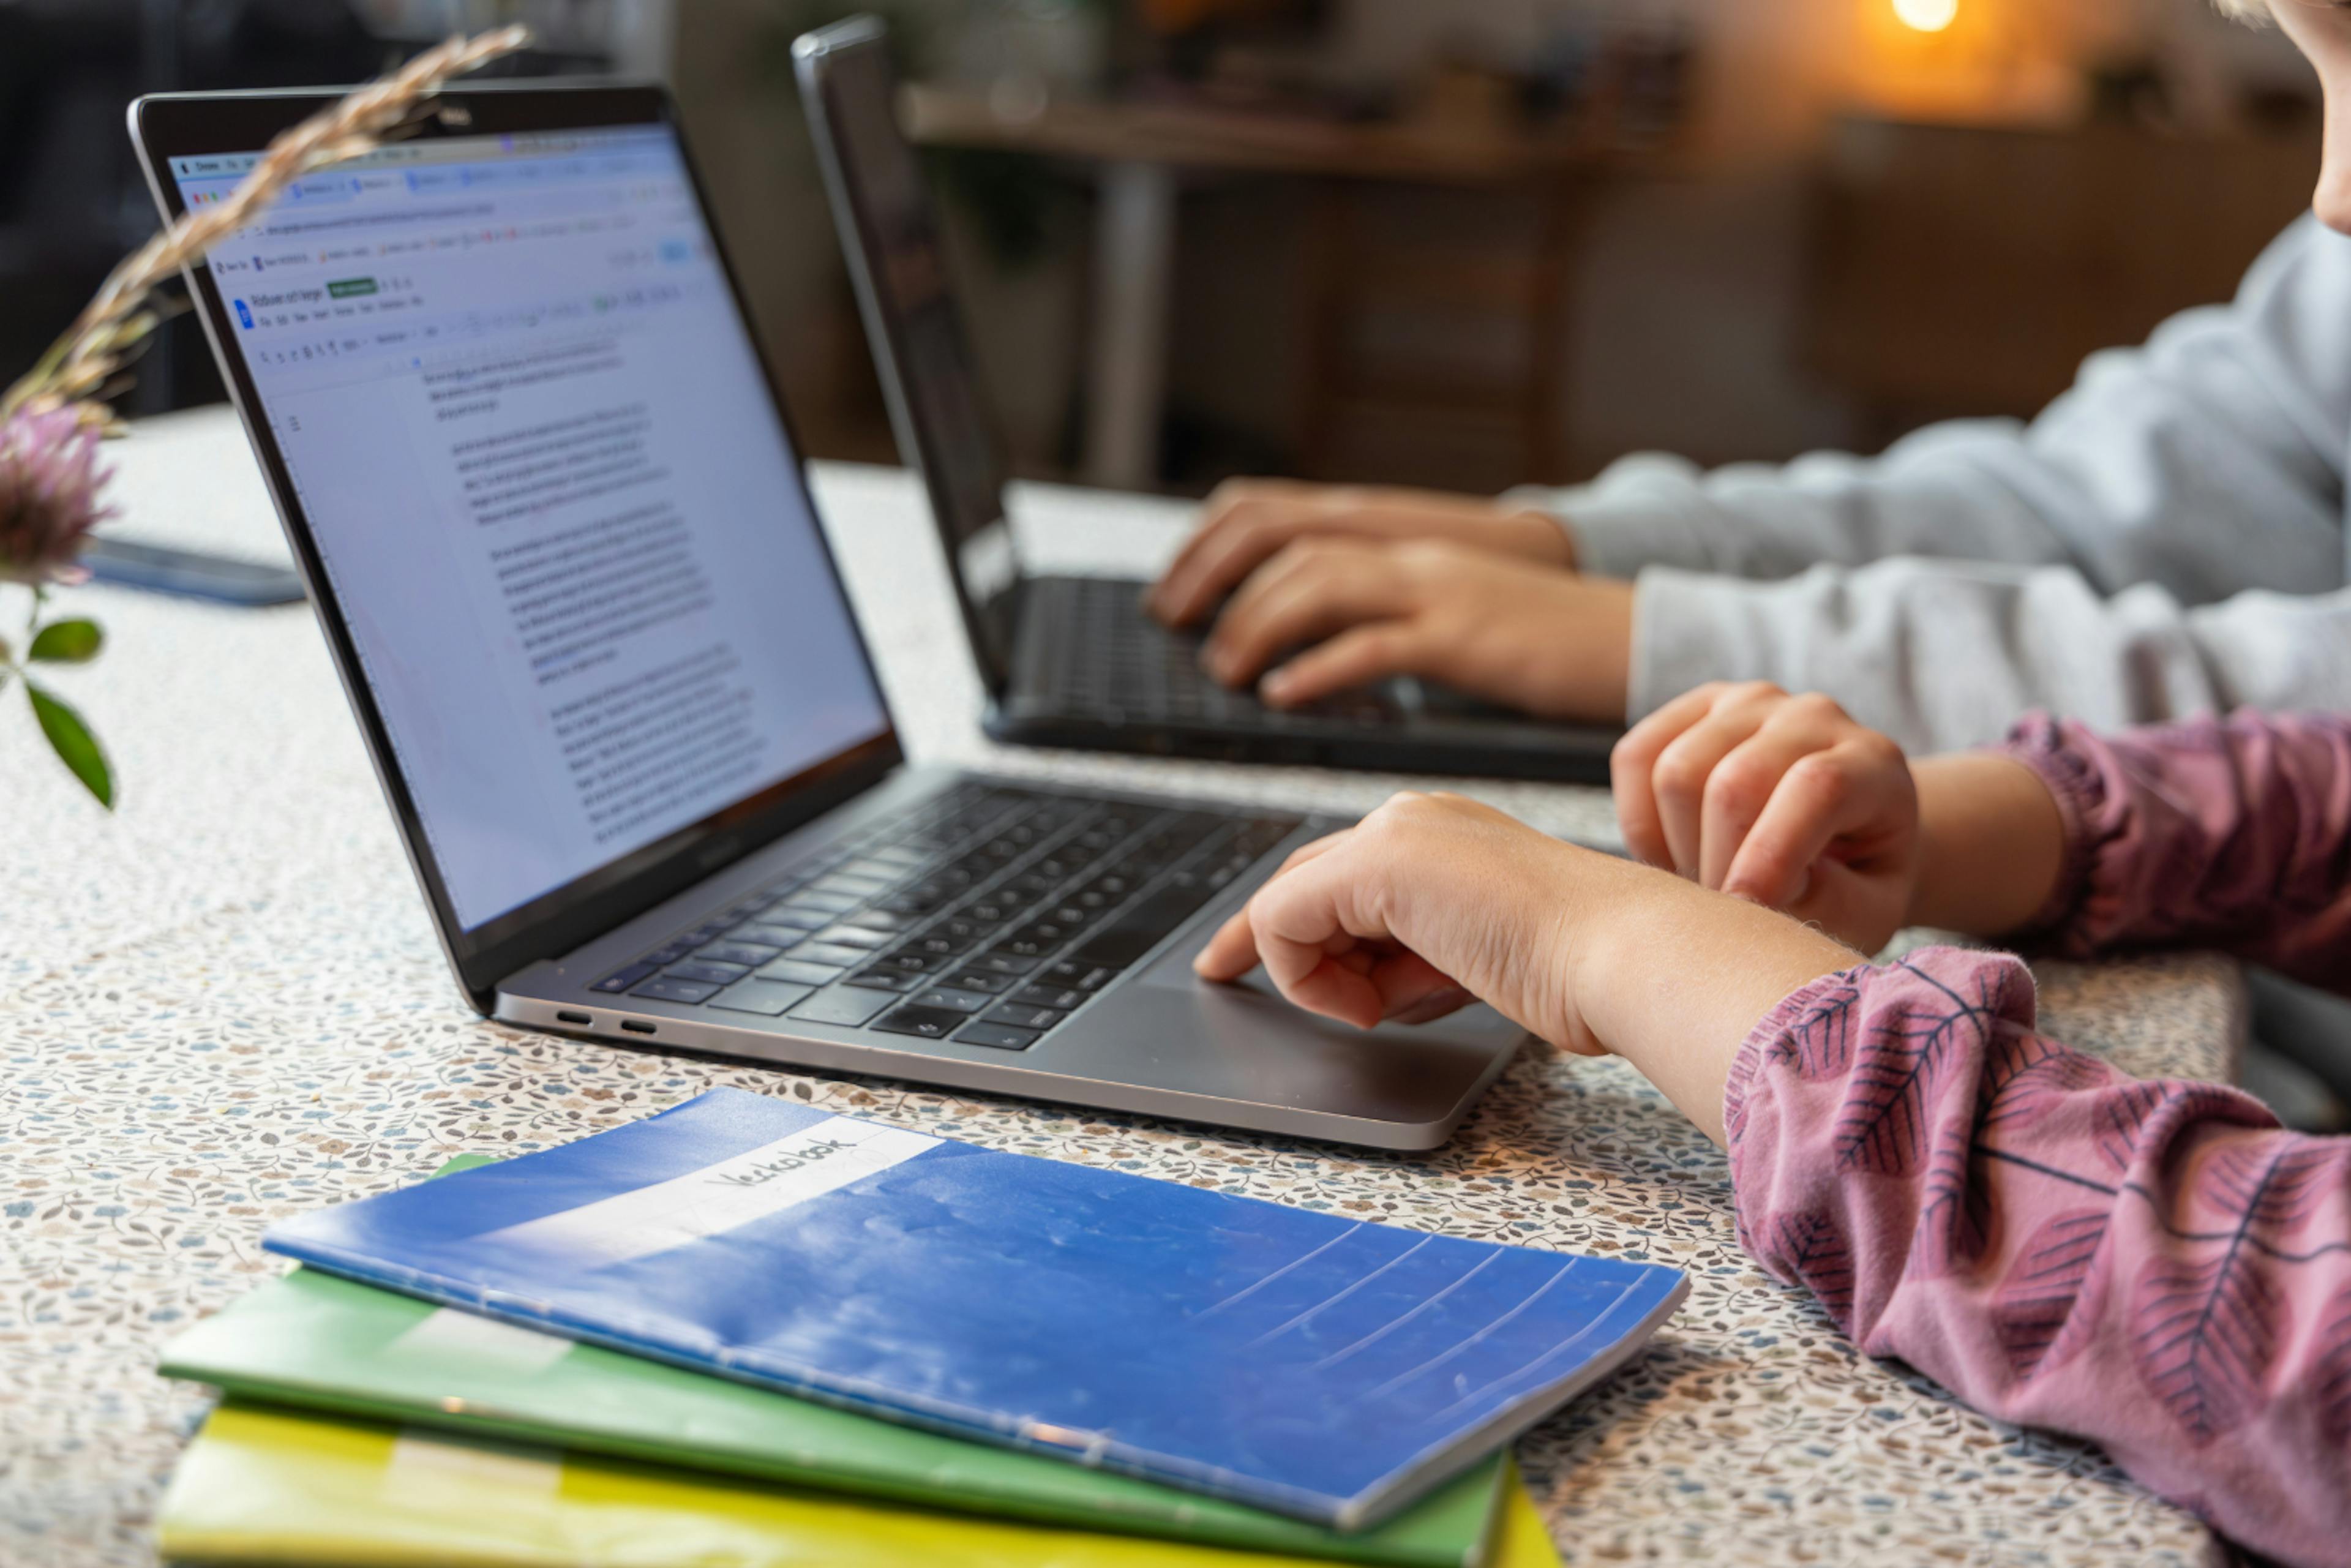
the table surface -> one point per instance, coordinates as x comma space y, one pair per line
224, 1006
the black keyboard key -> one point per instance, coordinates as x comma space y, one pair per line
766, 998
941, 945
621, 980
980, 980
1144, 927
1020, 1016
830, 953
701, 973
791, 971
1001, 962
929, 1023
996, 1034
750, 953
885, 980
669, 990
841, 1005
952, 1000
671, 954
1058, 998
1078, 976
909, 962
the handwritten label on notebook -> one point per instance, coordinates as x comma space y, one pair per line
718, 1199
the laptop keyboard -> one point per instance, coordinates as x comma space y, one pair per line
1105, 654
987, 916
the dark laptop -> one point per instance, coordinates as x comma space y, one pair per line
1073, 661
553, 519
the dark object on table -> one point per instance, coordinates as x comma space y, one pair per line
191, 574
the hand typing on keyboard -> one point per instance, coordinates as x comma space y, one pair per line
1545, 641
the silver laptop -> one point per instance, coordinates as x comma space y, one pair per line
556, 527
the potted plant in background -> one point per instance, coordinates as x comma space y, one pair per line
54, 420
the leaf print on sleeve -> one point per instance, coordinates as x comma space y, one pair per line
2203, 1333
1883, 1127
1955, 1220
1819, 1044
2333, 1389
2050, 1301
1813, 1249
2029, 1074
2126, 1112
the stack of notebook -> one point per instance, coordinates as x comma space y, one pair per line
746, 1331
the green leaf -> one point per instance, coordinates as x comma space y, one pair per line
75, 745
66, 642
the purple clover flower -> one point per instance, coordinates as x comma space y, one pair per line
50, 482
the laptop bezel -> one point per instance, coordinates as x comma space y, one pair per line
815, 56
176, 125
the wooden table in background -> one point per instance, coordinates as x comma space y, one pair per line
1140, 151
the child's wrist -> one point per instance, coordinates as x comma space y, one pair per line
1673, 978
1993, 844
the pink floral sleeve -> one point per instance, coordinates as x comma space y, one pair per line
2155, 1266
2234, 834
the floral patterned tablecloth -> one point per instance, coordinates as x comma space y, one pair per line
225, 1006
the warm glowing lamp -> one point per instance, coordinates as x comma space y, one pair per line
1927, 15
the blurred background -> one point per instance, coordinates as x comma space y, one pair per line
1463, 243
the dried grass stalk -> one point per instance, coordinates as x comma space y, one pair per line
80, 369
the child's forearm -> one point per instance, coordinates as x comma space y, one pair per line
1993, 844
1674, 979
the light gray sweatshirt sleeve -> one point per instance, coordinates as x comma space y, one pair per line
1945, 654
2207, 462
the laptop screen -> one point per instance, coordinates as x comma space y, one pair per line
920, 337
551, 493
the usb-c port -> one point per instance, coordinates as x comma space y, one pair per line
634, 1026
573, 1018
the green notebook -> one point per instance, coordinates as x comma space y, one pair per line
317, 1341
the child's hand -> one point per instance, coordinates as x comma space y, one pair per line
1434, 900
1545, 641
1429, 902
1783, 800
1248, 522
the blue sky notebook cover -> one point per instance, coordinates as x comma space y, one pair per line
1300, 1362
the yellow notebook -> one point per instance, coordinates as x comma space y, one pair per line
262, 1486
